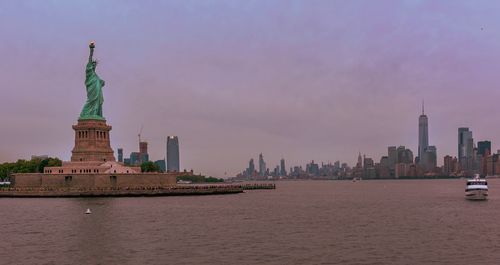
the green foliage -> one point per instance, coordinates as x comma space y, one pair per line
199, 179
50, 162
150, 167
212, 179
27, 166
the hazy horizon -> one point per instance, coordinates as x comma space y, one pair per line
302, 80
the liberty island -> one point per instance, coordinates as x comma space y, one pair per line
93, 169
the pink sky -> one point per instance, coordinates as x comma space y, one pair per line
301, 80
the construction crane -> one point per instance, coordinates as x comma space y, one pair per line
142, 126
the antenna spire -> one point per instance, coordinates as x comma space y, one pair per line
423, 107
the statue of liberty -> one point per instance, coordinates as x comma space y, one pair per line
93, 106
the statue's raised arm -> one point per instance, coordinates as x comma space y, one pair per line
92, 110
91, 46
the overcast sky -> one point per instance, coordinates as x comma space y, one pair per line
301, 80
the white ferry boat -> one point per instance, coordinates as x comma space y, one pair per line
477, 189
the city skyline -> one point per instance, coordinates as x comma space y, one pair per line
341, 83
426, 157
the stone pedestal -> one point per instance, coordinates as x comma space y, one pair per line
92, 141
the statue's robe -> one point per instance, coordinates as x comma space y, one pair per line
93, 107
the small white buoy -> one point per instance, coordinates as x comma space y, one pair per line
88, 211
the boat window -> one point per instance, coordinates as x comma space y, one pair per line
477, 183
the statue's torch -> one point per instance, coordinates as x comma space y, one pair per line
91, 46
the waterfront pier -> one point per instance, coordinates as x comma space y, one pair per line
145, 191
120, 192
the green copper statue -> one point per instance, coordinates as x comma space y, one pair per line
92, 110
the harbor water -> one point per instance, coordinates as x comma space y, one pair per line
301, 222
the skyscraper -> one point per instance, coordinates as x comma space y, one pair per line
383, 170
392, 153
465, 147
448, 166
135, 159
483, 148
143, 147
312, 168
262, 165
404, 155
423, 134
143, 152
120, 155
251, 167
161, 165
283, 168
429, 158
483, 152
276, 171
173, 161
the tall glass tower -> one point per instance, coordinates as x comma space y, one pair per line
423, 134
120, 155
282, 167
173, 162
465, 147
262, 165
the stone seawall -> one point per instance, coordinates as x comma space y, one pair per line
89, 181
174, 190
120, 192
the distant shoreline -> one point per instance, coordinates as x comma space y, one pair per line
400, 178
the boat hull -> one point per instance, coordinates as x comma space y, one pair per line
476, 194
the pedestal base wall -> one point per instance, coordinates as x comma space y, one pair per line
92, 141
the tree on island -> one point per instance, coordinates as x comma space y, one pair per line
35, 165
49, 162
199, 179
150, 167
